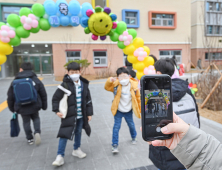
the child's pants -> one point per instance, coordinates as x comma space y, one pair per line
77, 141
117, 124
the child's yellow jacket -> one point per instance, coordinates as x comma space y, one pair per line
136, 104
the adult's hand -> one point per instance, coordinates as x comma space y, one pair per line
178, 127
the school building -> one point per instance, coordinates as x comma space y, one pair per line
165, 27
206, 31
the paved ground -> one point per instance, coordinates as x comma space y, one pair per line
16, 154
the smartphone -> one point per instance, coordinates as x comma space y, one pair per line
156, 106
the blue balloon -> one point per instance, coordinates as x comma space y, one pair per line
50, 7
82, 21
74, 7
64, 21
85, 7
75, 21
62, 7
54, 21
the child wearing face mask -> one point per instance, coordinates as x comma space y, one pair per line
80, 111
126, 101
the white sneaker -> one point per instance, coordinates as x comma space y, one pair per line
79, 153
37, 139
59, 161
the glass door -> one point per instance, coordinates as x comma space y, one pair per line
46, 64
36, 64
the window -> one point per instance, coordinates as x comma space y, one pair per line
7, 10
73, 55
170, 54
162, 20
102, 3
131, 17
213, 56
124, 59
213, 19
100, 59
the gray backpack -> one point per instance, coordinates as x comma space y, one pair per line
185, 108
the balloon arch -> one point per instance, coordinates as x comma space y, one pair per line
99, 21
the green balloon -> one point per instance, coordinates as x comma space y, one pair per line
35, 30
16, 41
1, 23
38, 10
21, 32
115, 37
192, 91
121, 45
25, 11
14, 20
121, 27
44, 24
132, 32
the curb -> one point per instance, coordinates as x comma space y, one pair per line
211, 122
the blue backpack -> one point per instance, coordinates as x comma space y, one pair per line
24, 91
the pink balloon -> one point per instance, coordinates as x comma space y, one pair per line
5, 39
114, 25
140, 58
146, 71
136, 53
94, 37
125, 33
126, 43
121, 37
35, 23
32, 16
23, 18
140, 49
151, 68
130, 37
27, 26
144, 54
89, 12
5, 27
11, 34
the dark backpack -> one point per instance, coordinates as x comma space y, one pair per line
24, 91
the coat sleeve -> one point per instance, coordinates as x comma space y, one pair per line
89, 105
58, 95
109, 86
10, 99
43, 95
198, 115
198, 150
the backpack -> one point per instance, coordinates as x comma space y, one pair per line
24, 91
185, 108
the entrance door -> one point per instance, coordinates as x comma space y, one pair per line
46, 64
36, 64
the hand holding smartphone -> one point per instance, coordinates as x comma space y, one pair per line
156, 106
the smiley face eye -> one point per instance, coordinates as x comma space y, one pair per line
101, 20
106, 26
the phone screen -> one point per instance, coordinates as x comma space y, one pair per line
157, 106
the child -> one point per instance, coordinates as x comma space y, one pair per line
184, 105
29, 110
126, 101
80, 111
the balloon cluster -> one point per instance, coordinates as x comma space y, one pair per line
64, 14
193, 88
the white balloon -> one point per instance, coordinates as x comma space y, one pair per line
124, 38
46, 16
4, 33
28, 20
141, 53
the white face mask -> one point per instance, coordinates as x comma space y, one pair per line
75, 77
124, 82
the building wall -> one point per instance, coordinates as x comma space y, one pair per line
75, 38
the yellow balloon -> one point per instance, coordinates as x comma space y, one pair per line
5, 48
195, 89
0, 68
148, 61
129, 50
139, 66
134, 66
146, 49
139, 75
132, 59
3, 59
138, 42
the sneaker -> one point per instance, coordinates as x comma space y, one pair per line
115, 149
134, 141
59, 161
37, 139
79, 153
30, 142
